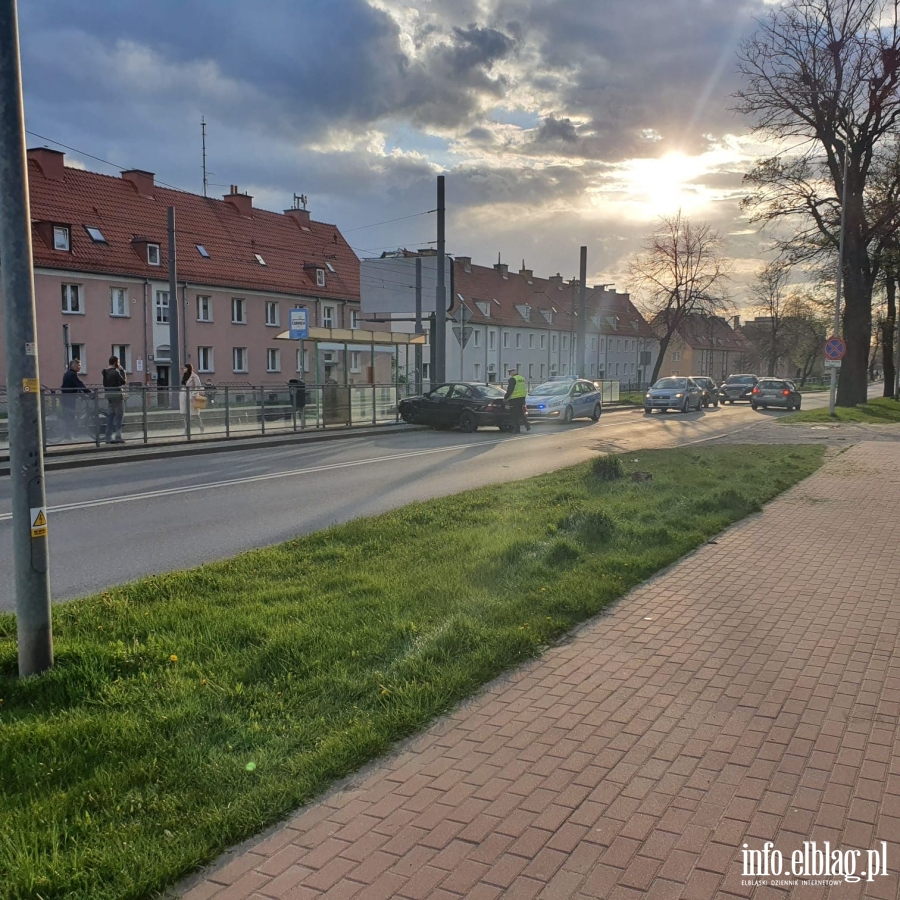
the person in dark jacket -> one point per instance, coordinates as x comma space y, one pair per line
72, 386
113, 382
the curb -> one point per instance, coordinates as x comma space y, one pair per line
80, 459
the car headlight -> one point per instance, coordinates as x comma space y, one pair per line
678, 396
647, 397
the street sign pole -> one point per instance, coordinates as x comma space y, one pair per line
31, 553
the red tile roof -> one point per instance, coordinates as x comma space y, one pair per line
711, 333
291, 252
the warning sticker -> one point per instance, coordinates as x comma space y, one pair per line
30, 384
38, 522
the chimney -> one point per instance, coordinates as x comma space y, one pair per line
556, 281
502, 268
243, 203
527, 274
52, 163
141, 181
300, 216
465, 262
736, 322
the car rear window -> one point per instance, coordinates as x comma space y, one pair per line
741, 379
773, 385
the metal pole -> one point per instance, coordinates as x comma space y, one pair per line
175, 366
31, 554
440, 320
840, 272
582, 313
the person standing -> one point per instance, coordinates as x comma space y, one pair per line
72, 386
113, 382
516, 391
191, 392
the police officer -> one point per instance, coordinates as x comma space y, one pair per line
516, 391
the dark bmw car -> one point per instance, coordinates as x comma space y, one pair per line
462, 405
737, 387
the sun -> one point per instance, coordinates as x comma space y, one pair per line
664, 185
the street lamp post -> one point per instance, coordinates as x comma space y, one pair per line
840, 274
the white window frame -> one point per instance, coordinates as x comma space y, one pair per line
477, 370
159, 306
565, 344
355, 364
676, 356
518, 340
531, 370
204, 308
492, 339
79, 351
119, 297
206, 360
62, 238
355, 316
476, 337
505, 340
238, 311
543, 342
553, 342
273, 314
69, 293
123, 351
329, 314
240, 362
273, 359
154, 257
320, 278
531, 342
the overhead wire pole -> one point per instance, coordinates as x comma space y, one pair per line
582, 313
31, 552
440, 317
174, 360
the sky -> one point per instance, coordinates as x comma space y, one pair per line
556, 123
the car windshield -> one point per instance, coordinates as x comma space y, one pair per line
741, 379
667, 384
552, 389
489, 390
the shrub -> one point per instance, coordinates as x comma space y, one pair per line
607, 468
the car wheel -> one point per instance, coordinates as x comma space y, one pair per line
410, 417
568, 415
798, 406
753, 406
789, 407
647, 411
764, 406
467, 422
686, 406
596, 413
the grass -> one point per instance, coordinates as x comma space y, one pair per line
187, 711
878, 411
635, 397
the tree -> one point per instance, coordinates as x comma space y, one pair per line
681, 270
805, 330
769, 292
826, 72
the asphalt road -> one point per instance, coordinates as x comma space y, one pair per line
113, 524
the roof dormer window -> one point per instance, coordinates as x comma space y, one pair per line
203, 251
61, 238
153, 258
259, 259
320, 278
95, 234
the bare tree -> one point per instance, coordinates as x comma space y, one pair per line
805, 330
824, 74
681, 270
769, 291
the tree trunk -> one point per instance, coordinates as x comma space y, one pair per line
888, 336
857, 330
663, 346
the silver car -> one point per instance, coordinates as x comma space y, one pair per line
564, 401
674, 393
775, 392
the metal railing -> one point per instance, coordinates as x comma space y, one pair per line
154, 414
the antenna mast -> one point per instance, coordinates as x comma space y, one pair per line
203, 131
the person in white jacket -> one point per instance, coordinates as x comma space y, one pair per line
188, 399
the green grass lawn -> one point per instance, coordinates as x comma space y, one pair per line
188, 711
635, 397
878, 411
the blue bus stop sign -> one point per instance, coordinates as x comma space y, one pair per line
299, 324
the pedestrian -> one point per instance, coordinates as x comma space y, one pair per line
72, 386
191, 399
113, 382
516, 391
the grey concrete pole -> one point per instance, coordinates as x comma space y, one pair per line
440, 317
29, 502
832, 398
175, 362
582, 315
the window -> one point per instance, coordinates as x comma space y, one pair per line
478, 371
328, 317
618, 345
531, 370
118, 302
476, 337
320, 278
238, 311
531, 342
518, 340
354, 319
273, 360
543, 342
426, 371
506, 370
153, 254
162, 307
602, 344
593, 343
617, 368
354, 361
123, 351
71, 299
676, 356
565, 368
61, 237
79, 351
203, 251
259, 259
492, 339
239, 359
505, 340
95, 234
542, 371
553, 342
272, 317
205, 359
565, 345
204, 309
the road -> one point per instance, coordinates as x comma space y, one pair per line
113, 524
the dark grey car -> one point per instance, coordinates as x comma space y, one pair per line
737, 387
775, 392
710, 390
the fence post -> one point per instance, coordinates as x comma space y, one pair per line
227, 414
374, 401
185, 392
144, 412
97, 417
262, 409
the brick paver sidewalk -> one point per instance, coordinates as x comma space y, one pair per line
749, 694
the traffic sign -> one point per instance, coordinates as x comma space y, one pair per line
832, 363
463, 315
463, 333
299, 324
835, 348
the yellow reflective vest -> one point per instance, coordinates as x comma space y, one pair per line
521, 388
